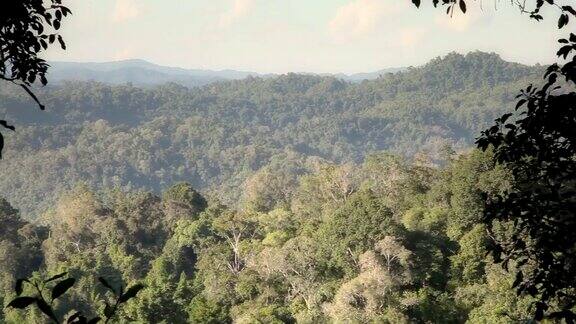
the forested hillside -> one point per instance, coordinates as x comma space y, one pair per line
217, 136
384, 241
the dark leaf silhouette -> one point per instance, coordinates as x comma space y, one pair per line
518, 280
61, 41
131, 292
46, 309
73, 318
108, 311
94, 320
18, 287
62, 287
58, 276
1, 144
105, 283
58, 290
5, 124
563, 20
569, 9
21, 302
25, 87
462, 6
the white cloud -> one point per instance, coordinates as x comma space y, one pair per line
361, 17
239, 9
125, 10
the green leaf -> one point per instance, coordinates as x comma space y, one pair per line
62, 287
21, 302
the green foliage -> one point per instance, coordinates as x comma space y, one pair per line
301, 223
256, 133
202, 310
354, 228
182, 200
339, 248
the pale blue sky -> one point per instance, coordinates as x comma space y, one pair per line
296, 35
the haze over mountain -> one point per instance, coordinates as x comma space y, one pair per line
217, 135
144, 73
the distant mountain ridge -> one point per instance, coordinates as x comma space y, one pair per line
218, 135
356, 77
143, 73
138, 72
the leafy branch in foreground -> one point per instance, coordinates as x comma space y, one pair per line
27, 28
47, 291
121, 297
539, 147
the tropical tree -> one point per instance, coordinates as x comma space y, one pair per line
538, 146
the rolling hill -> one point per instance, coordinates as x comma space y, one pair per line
216, 135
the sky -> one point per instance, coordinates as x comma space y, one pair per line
279, 36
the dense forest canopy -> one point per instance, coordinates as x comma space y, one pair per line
384, 240
295, 198
217, 136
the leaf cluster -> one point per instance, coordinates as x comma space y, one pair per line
27, 28
49, 290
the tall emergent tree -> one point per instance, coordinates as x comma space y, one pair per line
538, 146
27, 27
